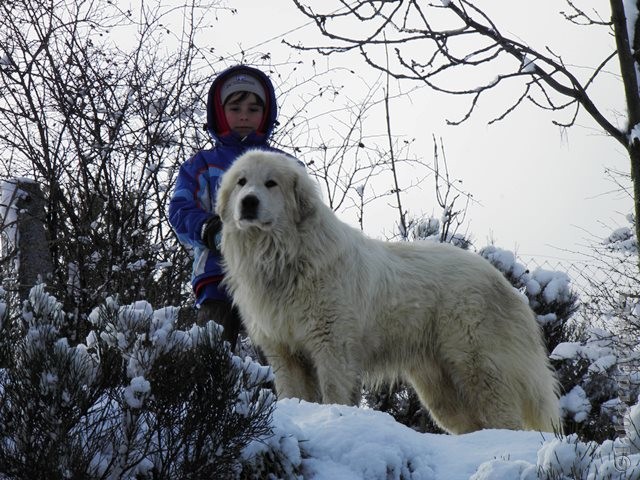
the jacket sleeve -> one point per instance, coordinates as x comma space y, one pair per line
190, 205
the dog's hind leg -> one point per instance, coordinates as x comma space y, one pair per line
466, 401
295, 375
438, 394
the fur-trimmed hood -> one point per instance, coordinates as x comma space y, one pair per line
216, 122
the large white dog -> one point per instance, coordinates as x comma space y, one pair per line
331, 307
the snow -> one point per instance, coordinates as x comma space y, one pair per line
136, 392
631, 14
528, 65
575, 404
598, 348
622, 239
504, 260
604, 363
553, 285
547, 285
334, 442
632, 426
547, 319
345, 443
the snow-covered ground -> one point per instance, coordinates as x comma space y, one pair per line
334, 442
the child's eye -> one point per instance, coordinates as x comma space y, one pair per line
242, 182
270, 184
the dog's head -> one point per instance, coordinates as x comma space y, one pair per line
264, 190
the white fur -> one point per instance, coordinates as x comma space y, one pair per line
331, 307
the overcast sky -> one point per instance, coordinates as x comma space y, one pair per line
540, 191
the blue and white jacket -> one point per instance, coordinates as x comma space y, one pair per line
193, 201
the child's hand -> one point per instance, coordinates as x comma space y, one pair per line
211, 234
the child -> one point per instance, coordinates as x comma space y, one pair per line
241, 115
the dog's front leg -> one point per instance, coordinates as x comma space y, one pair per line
338, 376
295, 375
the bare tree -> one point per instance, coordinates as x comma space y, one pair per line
447, 194
359, 162
100, 105
456, 35
97, 105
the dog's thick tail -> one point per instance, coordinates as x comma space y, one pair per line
542, 407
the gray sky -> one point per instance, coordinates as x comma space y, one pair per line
540, 191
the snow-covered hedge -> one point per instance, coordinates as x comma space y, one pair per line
138, 399
589, 361
569, 458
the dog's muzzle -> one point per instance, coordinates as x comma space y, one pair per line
249, 207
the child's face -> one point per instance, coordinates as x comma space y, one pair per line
243, 116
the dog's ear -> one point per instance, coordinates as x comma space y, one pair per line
305, 194
222, 196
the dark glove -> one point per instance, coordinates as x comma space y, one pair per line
211, 233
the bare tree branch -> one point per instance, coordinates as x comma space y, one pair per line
437, 43
405, 22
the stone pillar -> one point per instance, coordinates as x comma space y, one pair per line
34, 256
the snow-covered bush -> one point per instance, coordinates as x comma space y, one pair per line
549, 293
434, 229
632, 429
138, 399
569, 458
623, 239
587, 360
599, 368
594, 380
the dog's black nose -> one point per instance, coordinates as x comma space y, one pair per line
249, 207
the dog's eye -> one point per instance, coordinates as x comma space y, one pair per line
242, 182
270, 184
